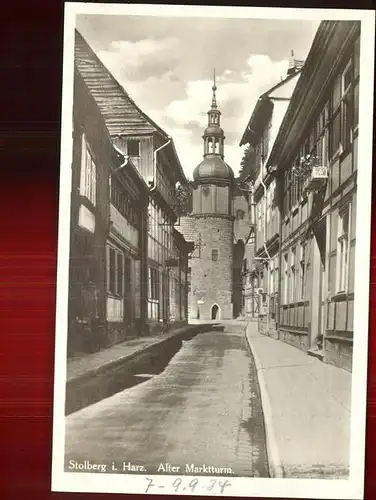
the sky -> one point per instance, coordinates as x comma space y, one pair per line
166, 65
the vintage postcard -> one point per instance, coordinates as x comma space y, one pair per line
214, 249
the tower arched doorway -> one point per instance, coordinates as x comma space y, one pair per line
215, 312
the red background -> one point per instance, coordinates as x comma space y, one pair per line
30, 90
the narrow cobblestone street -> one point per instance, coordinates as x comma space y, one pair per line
203, 409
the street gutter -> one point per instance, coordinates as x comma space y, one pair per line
80, 386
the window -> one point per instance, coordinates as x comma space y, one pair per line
347, 78
335, 137
240, 214
356, 106
269, 196
311, 140
259, 216
343, 250
346, 124
120, 274
123, 203
153, 284
336, 96
115, 272
276, 279
214, 255
356, 57
286, 279
271, 279
346, 107
356, 82
205, 190
112, 273
287, 194
322, 137
153, 294
88, 183
302, 274
133, 147
293, 275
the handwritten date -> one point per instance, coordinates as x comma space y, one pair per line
180, 485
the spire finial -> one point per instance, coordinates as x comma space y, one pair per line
214, 88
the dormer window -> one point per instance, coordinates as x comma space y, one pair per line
133, 147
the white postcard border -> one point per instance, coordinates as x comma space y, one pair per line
248, 487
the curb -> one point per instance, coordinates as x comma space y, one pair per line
274, 462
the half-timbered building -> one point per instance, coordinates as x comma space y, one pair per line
261, 270
108, 212
315, 158
153, 153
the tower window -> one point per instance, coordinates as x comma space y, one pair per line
205, 190
240, 214
215, 255
133, 146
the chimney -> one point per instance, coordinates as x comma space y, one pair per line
292, 66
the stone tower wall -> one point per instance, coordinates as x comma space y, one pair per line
212, 281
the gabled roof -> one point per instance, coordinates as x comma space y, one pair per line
264, 106
120, 112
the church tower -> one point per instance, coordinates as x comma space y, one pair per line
212, 267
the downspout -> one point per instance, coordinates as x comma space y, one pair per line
126, 158
155, 164
265, 207
280, 266
265, 247
253, 224
151, 189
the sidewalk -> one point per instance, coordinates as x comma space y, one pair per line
91, 364
306, 405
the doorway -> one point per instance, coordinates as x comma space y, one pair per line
215, 312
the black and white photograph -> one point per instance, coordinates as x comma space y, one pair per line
214, 248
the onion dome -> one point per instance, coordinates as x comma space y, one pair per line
213, 167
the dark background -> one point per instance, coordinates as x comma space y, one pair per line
30, 106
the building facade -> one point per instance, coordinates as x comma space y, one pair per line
315, 159
243, 209
152, 152
261, 271
126, 250
108, 216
